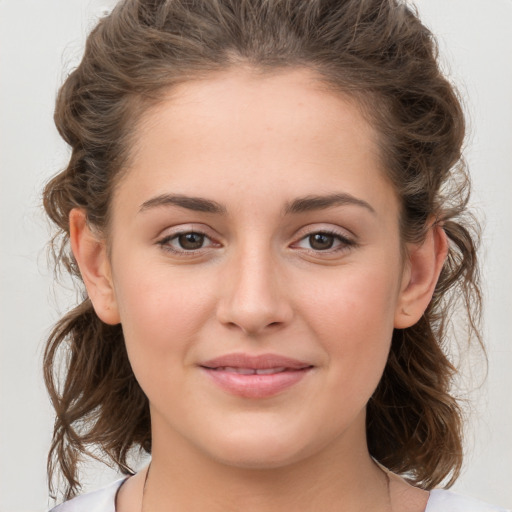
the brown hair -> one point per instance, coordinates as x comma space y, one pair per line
378, 52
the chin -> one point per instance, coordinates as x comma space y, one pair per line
252, 450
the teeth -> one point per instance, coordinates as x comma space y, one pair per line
270, 370
251, 371
243, 371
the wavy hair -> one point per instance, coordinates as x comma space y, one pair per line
376, 51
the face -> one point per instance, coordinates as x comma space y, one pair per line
255, 262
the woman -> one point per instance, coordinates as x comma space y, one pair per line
265, 201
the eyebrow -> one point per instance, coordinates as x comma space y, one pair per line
197, 204
299, 205
316, 202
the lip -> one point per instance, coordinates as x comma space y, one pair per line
258, 362
223, 372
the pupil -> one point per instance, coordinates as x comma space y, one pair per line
321, 241
191, 241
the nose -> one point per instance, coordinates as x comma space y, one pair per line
254, 294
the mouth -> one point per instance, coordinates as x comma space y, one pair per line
250, 371
259, 376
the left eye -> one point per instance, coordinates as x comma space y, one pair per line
323, 241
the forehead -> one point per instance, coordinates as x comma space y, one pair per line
244, 103
284, 131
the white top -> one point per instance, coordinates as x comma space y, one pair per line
103, 500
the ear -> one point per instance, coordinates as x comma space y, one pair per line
425, 262
91, 256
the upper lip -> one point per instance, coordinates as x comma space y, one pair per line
257, 362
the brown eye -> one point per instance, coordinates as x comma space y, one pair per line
321, 241
191, 241
325, 241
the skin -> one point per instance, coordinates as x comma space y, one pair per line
255, 144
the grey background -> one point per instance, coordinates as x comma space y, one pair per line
40, 41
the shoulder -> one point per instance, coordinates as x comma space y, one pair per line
447, 501
102, 500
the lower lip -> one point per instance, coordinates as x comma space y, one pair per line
256, 386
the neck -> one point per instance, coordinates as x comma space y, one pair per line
181, 478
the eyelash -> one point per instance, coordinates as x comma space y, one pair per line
344, 242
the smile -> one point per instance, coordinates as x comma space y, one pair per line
250, 371
255, 377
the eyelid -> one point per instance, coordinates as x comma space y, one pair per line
326, 227
188, 227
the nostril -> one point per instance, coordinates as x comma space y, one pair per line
253, 312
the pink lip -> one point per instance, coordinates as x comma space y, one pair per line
222, 370
261, 362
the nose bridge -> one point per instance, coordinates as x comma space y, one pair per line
253, 296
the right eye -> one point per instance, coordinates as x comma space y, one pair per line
186, 242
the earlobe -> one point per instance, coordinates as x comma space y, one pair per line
425, 262
90, 253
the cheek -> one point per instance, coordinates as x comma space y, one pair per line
352, 316
352, 299
161, 313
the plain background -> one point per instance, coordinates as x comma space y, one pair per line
40, 41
